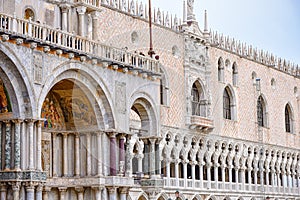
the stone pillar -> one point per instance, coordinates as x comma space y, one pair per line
17, 144
54, 156
177, 172
3, 191
64, 16
30, 192
46, 192
7, 146
236, 170
123, 193
16, 190
152, 156
168, 171
39, 192
79, 191
158, 158
39, 146
208, 176
88, 155
99, 154
1, 139
112, 137
77, 156
81, 28
216, 175
255, 178
243, 180
223, 175
112, 193
193, 173
201, 174
98, 192
140, 162
31, 145
261, 171
230, 176
249, 176
122, 155
62, 191
95, 18
65, 154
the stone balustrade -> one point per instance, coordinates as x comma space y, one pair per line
58, 39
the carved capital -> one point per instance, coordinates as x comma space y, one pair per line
124, 190
64, 8
79, 189
81, 10
95, 14
112, 190
97, 188
62, 189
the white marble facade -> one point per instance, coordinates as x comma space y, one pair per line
86, 114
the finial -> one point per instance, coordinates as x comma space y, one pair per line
205, 22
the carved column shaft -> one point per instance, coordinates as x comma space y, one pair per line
16, 191
113, 171
77, 160
152, 156
99, 154
88, 154
64, 17
3, 191
7, 145
98, 191
39, 192
81, 11
79, 191
46, 192
39, 146
1, 136
65, 154
31, 145
54, 155
95, 18
122, 154
62, 191
30, 192
17, 158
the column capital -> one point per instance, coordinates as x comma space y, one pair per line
79, 189
111, 134
95, 14
122, 135
97, 188
65, 134
81, 10
112, 189
152, 140
62, 189
64, 7
3, 187
16, 186
30, 186
30, 121
17, 121
124, 190
47, 188
7, 122
39, 188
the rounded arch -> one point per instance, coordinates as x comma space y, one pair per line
16, 80
143, 105
93, 87
29, 12
229, 103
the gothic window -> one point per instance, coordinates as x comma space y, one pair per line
220, 70
234, 74
226, 104
261, 112
288, 119
198, 102
164, 90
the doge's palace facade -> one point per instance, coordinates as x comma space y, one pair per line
87, 114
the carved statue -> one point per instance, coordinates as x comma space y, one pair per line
190, 7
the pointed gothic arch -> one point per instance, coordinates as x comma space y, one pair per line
262, 119
198, 101
221, 69
288, 118
229, 104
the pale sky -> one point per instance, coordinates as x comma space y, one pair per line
271, 25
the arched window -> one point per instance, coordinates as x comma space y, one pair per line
288, 119
261, 112
198, 102
220, 70
234, 74
226, 104
29, 14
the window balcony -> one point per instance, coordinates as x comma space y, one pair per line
201, 123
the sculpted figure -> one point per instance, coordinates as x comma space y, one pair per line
190, 7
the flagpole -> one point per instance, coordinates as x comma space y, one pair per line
150, 52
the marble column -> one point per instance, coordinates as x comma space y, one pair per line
122, 154
79, 191
113, 156
168, 171
193, 173
140, 162
98, 192
123, 193
62, 192
95, 18
81, 24
30, 192
152, 156
39, 146
54, 155
77, 155
64, 16
158, 158
112, 193
236, 170
255, 178
99, 154
216, 175
3, 191
243, 180
65, 154
230, 176
17, 148
46, 192
201, 174
39, 192
208, 175
249, 176
88, 155
176, 163
16, 191
7, 146
223, 166
31, 143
